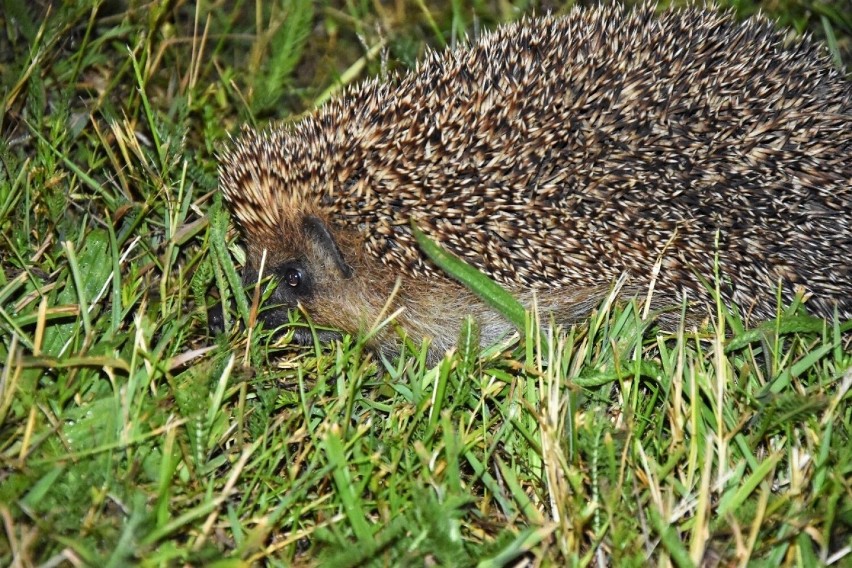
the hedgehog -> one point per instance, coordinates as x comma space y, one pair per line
556, 154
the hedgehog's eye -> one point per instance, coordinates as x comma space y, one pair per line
293, 277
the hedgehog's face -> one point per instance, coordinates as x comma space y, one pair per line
309, 271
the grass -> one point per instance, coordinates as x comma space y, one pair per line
130, 435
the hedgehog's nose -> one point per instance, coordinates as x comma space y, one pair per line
215, 319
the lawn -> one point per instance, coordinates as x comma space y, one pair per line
131, 434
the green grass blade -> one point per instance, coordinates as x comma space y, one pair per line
484, 287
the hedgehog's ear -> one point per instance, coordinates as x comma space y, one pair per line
318, 232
